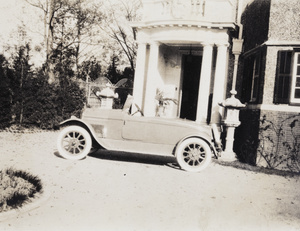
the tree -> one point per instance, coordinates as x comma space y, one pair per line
5, 92
113, 74
22, 71
116, 25
68, 24
90, 69
49, 8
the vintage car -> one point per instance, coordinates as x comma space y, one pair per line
128, 131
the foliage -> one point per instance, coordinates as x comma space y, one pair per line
90, 69
47, 105
163, 102
69, 28
278, 146
5, 93
21, 73
115, 25
30, 100
113, 74
17, 187
248, 151
44, 97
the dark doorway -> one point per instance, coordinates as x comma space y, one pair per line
190, 86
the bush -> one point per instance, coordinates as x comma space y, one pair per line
5, 93
17, 187
5, 105
279, 143
45, 106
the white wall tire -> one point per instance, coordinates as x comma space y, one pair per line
193, 155
74, 143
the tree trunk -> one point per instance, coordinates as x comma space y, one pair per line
49, 43
21, 93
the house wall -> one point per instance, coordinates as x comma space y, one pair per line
269, 132
284, 20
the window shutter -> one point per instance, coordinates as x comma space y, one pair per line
283, 77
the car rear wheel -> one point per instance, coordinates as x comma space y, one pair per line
74, 143
193, 155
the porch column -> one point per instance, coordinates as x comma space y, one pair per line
139, 76
151, 81
204, 85
219, 83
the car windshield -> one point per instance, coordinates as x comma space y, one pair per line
128, 104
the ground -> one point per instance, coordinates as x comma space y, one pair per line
125, 191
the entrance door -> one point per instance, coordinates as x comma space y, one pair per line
190, 86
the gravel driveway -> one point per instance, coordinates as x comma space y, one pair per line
124, 191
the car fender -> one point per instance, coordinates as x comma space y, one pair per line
204, 137
79, 122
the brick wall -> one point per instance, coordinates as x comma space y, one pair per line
284, 20
269, 138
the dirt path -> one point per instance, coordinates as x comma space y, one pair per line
118, 191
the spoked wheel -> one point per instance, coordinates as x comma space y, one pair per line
74, 143
193, 155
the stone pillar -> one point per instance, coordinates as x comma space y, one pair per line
152, 81
139, 76
231, 120
204, 84
219, 83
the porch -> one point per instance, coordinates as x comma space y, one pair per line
183, 52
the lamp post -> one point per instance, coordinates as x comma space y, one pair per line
232, 106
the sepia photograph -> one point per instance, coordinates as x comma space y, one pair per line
149, 115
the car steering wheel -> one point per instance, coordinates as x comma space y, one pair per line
138, 110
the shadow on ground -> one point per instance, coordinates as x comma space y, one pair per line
135, 157
239, 165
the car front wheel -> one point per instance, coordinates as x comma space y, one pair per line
193, 155
74, 143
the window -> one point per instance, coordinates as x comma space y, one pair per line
295, 88
251, 78
283, 77
255, 80
287, 86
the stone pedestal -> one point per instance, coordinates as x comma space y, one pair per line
231, 120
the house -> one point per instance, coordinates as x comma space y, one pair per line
187, 49
270, 84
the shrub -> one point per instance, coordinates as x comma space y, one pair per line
45, 106
5, 93
17, 188
279, 143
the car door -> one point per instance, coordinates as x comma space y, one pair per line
134, 128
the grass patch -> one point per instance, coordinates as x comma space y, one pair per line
17, 188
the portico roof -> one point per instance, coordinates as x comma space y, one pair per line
184, 23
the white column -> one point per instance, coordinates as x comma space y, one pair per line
219, 83
152, 81
139, 76
204, 85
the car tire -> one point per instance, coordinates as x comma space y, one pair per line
193, 155
74, 143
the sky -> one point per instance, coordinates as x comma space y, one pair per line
14, 13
